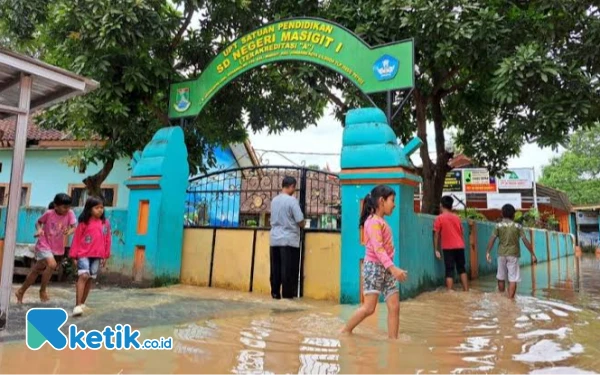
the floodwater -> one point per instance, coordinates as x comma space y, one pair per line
552, 328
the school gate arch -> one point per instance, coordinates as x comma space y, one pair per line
316, 41
370, 154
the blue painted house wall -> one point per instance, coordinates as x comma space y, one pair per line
120, 260
48, 175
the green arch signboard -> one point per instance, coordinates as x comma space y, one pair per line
317, 41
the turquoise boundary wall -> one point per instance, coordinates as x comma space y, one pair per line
121, 261
370, 156
426, 272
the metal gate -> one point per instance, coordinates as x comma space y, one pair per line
241, 198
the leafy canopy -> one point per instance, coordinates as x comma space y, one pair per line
135, 49
577, 170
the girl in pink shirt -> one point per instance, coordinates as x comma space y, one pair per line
379, 273
90, 248
51, 229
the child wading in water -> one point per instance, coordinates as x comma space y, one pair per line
51, 228
379, 273
509, 250
90, 248
449, 238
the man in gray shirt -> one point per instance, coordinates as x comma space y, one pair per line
286, 221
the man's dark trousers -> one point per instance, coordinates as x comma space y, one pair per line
285, 267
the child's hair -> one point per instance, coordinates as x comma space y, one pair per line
62, 199
51, 206
288, 181
508, 211
86, 214
371, 201
447, 202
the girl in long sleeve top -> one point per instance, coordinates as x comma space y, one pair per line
90, 248
379, 273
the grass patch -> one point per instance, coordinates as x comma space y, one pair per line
591, 249
164, 280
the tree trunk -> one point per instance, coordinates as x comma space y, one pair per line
433, 174
94, 182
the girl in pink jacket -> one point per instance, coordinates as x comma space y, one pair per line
90, 248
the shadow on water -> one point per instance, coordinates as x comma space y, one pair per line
551, 328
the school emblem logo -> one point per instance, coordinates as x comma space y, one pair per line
182, 100
386, 68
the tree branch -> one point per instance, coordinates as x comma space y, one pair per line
438, 122
189, 12
337, 101
457, 86
449, 75
160, 115
421, 117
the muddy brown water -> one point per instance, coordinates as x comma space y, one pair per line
552, 328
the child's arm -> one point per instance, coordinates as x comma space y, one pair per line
375, 241
436, 244
107, 240
39, 225
437, 237
79, 232
490, 246
495, 235
528, 246
72, 223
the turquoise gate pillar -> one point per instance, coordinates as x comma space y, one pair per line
158, 182
371, 156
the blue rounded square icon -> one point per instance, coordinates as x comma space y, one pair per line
386, 67
43, 325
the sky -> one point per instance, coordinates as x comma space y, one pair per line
326, 138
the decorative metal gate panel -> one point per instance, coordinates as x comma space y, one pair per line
241, 197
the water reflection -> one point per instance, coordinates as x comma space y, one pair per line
552, 327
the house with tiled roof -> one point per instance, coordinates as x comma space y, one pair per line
47, 172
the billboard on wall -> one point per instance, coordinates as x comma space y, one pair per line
497, 200
516, 179
587, 218
454, 181
479, 181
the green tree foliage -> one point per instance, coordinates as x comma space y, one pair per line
135, 49
577, 170
501, 73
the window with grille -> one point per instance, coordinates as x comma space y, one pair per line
4, 195
79, 195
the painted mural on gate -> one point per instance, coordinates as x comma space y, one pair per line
216, 201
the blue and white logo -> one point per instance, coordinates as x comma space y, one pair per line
44, 326
386, 68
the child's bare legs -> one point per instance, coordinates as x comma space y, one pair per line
86, 291
512, 290
80, 288
46, 276
449, 283
366, 310
464, 280
41, 267
393, 306
501, 286
37, 270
